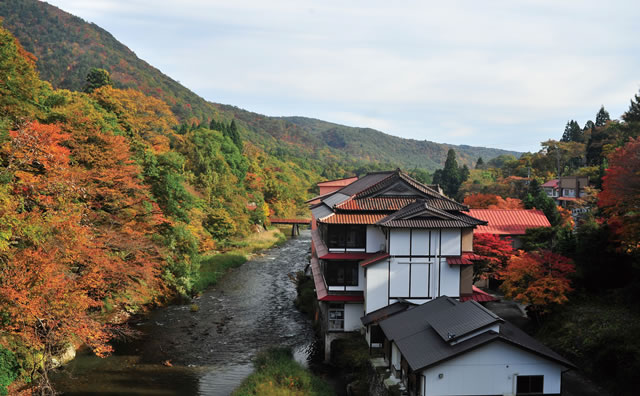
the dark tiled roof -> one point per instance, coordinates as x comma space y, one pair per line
418, 332
385, 312
376, 203
321, 211
420, 215
414, 320
461, 320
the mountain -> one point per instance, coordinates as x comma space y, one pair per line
67, 47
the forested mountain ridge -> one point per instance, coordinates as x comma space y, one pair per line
67, 47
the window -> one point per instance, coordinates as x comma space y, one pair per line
336, 317
568, 192
342, 273
347, 236
529, 384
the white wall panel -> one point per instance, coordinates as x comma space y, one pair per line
376, 292
435, 242
420, 242
352, 315
419, 279
375, 239
399, 240
449, 280
451, 242
399, 278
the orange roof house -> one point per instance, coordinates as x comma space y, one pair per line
511, 223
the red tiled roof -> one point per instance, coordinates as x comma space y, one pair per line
342, 218
458, 260
567, 199
318, 280
338, 182
343, 297
551, 183
478, 295
347, 256
374, 259
509, 222
318, 244
471, 256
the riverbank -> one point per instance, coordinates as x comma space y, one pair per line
207, 351
277, 373
214, 266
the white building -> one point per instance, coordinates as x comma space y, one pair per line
445, 347
386, 238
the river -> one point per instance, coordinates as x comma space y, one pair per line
207, 352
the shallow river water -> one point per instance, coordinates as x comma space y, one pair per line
209, 352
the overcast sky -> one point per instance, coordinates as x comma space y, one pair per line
505, 74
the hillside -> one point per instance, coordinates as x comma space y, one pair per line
67, 47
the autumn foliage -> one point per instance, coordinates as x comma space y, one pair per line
491, 201
620, 196
494, 252
539, 279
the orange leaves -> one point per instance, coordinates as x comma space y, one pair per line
494, 251
490, 201
620, 196
540, 279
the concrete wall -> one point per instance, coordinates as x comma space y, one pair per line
490, 370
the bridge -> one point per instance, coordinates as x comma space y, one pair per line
295, 223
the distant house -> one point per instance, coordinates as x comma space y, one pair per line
445, 347
512, 223
566, 189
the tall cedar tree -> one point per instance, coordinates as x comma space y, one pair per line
602, 117
572, 132
633, 114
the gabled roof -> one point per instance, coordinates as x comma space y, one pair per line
551, 183
509, 222
423, 333
420, 215
385, 312
338, 182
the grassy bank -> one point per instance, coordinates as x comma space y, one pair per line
601, 336
213, 267
277, 374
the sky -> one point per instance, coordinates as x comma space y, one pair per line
505, 74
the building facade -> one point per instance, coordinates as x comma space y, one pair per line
386, 238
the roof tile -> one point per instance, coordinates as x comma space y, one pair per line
509, 222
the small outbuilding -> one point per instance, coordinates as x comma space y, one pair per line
445, 347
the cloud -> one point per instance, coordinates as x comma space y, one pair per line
406, 68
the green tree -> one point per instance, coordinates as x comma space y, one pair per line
450, 177
479, 163
572, 132
633, 114
602, 117
97, 78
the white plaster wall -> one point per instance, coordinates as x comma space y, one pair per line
419, 278
449, 280
435, 243
395, 356
375, 239
451, 242
399, 277
399, 240
352, 315
420, 242
490, 370
376, 286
